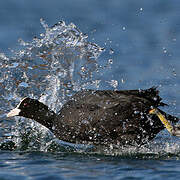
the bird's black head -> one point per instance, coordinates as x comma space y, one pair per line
33, 109
29, 108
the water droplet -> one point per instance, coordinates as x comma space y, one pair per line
174, 72
122, 80
111, 51
110, 61
155, 98
83, 69
42, 35
113, 83
124, 28
136, 112
23, 84
164, 50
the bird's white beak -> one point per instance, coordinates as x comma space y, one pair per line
14, 112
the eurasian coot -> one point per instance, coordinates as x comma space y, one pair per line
101, 117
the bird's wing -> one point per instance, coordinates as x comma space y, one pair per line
101, 99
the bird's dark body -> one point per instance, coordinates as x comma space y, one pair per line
105, 117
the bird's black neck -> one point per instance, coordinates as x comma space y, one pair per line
46, 118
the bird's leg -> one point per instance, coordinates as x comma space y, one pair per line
173, 130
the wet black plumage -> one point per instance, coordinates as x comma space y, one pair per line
102, 117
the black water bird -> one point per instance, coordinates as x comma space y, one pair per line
101, 117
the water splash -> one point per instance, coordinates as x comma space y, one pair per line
51, 67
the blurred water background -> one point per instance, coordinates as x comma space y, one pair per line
50, 49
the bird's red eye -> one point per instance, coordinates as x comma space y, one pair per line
25, 104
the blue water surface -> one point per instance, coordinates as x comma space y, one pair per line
140, 43
73, 166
